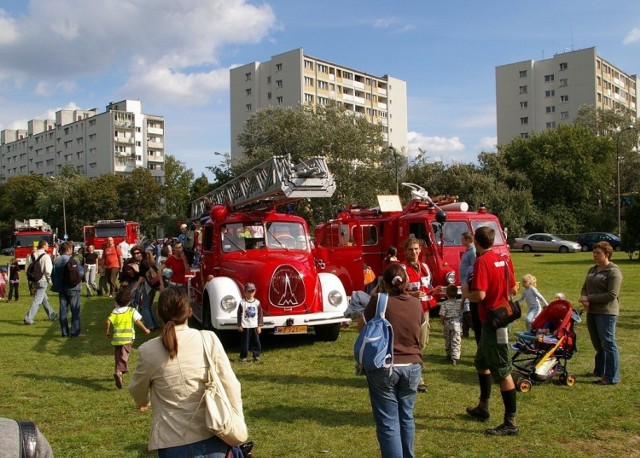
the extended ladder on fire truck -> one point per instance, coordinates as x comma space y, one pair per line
274, 182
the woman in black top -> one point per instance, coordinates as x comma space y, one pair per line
90, 261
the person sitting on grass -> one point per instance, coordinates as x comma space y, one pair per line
122, 318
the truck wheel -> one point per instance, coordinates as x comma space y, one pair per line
327, 332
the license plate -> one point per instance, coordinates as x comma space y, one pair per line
299, 329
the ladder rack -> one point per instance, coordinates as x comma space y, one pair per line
274, 182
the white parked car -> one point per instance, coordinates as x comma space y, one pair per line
545, 242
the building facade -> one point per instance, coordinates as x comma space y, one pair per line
532, 96
293, 78
114, 142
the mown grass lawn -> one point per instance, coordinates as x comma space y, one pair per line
304, 400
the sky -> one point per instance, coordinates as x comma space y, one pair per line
175, 57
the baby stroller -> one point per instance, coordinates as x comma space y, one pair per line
545, 351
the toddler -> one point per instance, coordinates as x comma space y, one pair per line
4, 278
250, 323
451, 316
122, 319
533, 298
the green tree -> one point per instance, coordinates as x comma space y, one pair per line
177, 184
352, 146
140, 199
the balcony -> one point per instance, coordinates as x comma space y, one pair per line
125, 140
155, 130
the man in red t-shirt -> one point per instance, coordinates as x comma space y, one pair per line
112, 259
493, 281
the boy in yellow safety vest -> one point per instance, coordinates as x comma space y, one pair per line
122, 319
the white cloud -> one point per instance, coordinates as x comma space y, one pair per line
47, 88
632, 36
487, 144
437, 148
143, 41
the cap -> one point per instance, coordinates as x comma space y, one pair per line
249, 287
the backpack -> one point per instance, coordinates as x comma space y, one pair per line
34, 271
72, 275
374, 346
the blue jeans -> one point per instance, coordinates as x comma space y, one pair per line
40, 298
70, 299
208, 448
393, 396
602, 330
146, 309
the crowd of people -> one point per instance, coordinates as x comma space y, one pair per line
171, 372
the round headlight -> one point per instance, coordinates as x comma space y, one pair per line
228, 303
335, 298
450, 277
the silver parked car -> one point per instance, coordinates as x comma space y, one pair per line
545, 242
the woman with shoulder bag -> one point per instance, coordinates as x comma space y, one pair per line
148, 284
170, 377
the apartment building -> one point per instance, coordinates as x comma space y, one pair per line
532, 96
293, 78
116, 141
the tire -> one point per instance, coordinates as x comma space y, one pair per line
563, 249
526, 248
524, 385
327, 332
569, 380
584, 248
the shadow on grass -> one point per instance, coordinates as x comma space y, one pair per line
286, 413
287, 379
95, 384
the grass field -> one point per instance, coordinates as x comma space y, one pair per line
303, 399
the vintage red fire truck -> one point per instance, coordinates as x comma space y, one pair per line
119, 229
27, 235
361, 236
243, 238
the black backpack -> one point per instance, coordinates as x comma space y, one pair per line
34, 271
72, 275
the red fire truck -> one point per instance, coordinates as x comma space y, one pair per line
28, 234
119, 229
243, 238
361, 236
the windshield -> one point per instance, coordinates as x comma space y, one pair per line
499, 237
287, 236
111, 231
33, 240
453, 230
242, 236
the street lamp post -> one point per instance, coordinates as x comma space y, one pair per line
618, 173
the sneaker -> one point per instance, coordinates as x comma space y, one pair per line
422, 388
504, 429
244, 360
26, 322
256, 359
53, 317
454, 362
478, 413
118, 379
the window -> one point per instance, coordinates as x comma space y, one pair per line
551, 125
268, 80
49, 162
278, 83
524, 134
268, 95
564, 98
523, 89
248, 91
563, 66
248, 106
523, 73
323, 101
564, 82
308, 81
564, 115
323, 85
280, 100
524, 105
308, 65
550, 109
278, 67
524, 120
93, 165
548, 78
92, 122
308, 98
347, 75
247, 76
92, 137
550, 93
323, 68
80, 154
